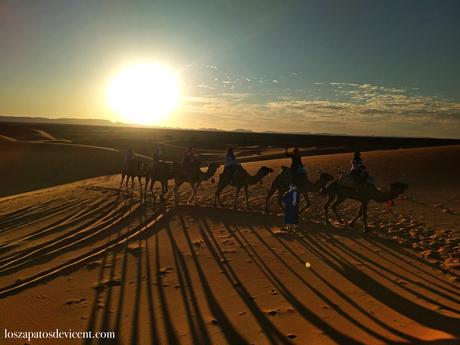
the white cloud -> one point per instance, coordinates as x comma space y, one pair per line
358, 109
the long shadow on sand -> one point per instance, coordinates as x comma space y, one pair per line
133, 298
334, 254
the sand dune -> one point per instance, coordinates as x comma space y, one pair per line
82, 257
30, 166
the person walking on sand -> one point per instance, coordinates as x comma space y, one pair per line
291, 200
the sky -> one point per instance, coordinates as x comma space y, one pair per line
356, 67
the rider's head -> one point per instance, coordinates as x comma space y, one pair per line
230, 151
296, 151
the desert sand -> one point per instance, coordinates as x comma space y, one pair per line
80, 256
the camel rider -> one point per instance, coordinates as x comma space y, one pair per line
189, 160
156, 158
231, 163
359, 171
129, 155
157, 155
297, 168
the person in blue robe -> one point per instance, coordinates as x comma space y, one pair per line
291, 200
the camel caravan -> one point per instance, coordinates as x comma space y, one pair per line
357, 185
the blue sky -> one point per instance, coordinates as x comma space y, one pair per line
354, 67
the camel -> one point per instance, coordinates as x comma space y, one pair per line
131, 169
194, 179
362, 193
240, 179
282, 181
162, 172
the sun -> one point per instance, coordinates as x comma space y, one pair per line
143, 93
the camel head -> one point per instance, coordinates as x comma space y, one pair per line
265, 170
285, 171
399, 187
213, 167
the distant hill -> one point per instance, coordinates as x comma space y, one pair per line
242, 130
210, 129
64, 121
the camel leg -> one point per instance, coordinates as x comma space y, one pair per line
336, 203
280, 201
162, 185
358, 214
147, 180
127, 183
121, 183
219, 189
236, 196
177, 184
164, 188
330, 198
216, 196
366, 229
307, 198
139, 178
195, 190
132, 185
307, 201
246, 193
152, 190
270, 192
152, 184
192, 186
